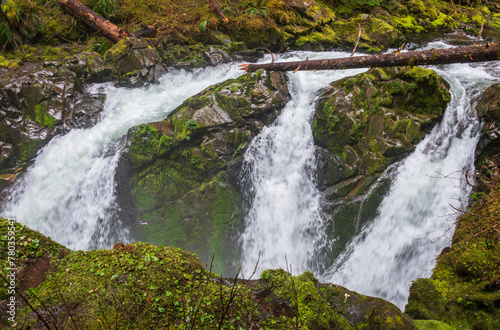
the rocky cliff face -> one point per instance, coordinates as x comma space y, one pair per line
362, 125
185, 168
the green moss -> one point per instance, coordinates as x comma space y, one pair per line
10, 64
30, 247
42, 117
401, 102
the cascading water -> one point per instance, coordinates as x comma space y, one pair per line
69, 193
283, 218
416, 218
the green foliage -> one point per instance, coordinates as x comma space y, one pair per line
202, 27
105, 8
257, 8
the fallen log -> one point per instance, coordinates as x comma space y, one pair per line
94, 20
466, 54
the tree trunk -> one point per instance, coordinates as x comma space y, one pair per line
476, 53
94, 20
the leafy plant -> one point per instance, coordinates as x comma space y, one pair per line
258, 8
202, 27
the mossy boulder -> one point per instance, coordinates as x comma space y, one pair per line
464, 289
363, 124
488, 110
147, 286
185, 168
29, 259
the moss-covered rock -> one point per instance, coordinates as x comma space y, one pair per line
26, 256
488, 110
183, 166
146, 286
363, 124
326, 306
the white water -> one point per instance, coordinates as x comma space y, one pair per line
416, 218
69, 193
283, 218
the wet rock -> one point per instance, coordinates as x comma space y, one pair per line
488, 110
183, 166
361, 126
328, 306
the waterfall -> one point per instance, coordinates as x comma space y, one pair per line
283, 220
69, 192
416, 218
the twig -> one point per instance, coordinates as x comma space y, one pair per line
297, 315
45, 307
480, 32
359, 37
272, 55
487, 229
197, 308
219, 11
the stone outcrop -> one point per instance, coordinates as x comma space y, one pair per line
39, 101
185, 168
464, 289
361, 126
488, 110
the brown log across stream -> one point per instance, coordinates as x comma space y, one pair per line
466, 54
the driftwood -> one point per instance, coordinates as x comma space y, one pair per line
96, 21
219, 11
467, 54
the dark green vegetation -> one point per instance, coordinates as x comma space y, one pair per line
363, 124
184, 167
279, 24
183, 183
144, 286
